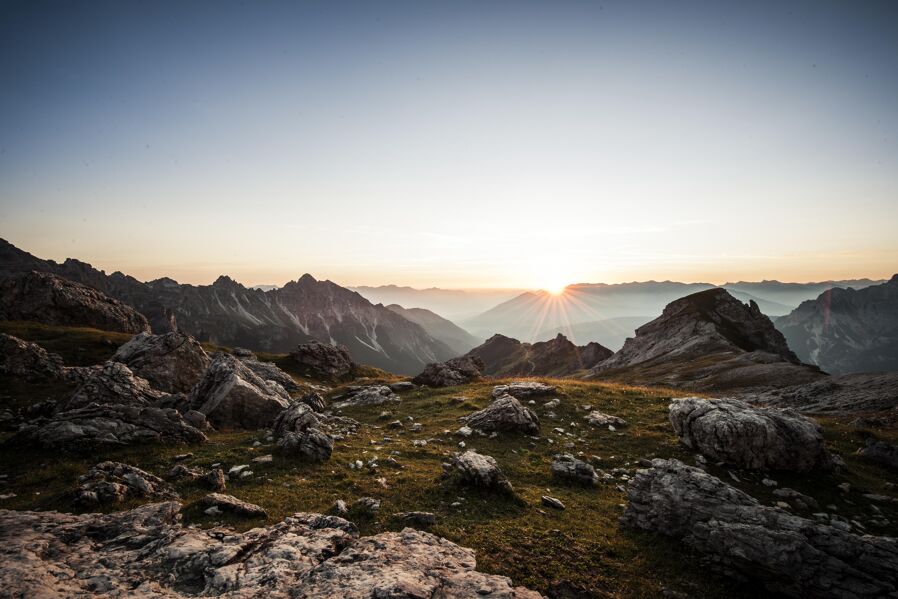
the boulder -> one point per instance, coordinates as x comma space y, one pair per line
233, 396
456, 371
884, 454
505, 414
791, 555
567, 467
295, 419
29, 361
214, 479
323, 361
480, 470
370, 395
268, 371
232, 505
734, 432
597, 418
312, 444
173, 362
113, 482
366, 507
418, 518
314, 401
104, 426
552, 502
50, 299
524, 389
401, 386
113, 384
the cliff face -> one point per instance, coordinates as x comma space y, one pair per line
847, 330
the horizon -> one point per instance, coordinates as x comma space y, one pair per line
462, 146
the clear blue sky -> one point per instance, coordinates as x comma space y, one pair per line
453, 144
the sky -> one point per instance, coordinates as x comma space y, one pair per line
453, 144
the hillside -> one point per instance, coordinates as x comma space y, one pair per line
456, 338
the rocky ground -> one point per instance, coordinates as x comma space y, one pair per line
554, 528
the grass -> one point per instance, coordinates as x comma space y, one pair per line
583, 546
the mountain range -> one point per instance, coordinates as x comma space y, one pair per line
504, 356
228, 313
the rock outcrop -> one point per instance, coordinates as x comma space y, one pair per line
457, 371
480, 470
524, 389
597, 418
369, 395
847, 393
787, 553
146, 552
268, 371
707, 341
847, 330
503, 356
104, 426
233, 396
734, 432
173, 362
504, 414
29, 361
567, 467
113, 384
113, 482
323, 361
50, 299
300, 433
232, 505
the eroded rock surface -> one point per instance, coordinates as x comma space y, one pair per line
787, 553
29, 361
268, 371
114, 482
456, 371
370, 395
113, 384
597, 418
173, 362
232, 505
881, 452
734, 432
524, 389
103, 426
480, 470
567, 467
505, 414
324, 361
146, 552
233, 396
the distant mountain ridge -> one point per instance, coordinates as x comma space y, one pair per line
230, 314
454, 304
847, 330
458, 339
504, 356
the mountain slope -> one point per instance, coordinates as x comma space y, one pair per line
504, 356
847, 330
455, 337
704, 341
611, 332
454, 304
228, 313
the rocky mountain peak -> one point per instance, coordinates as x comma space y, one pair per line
505, 356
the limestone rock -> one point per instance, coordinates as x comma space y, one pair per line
505, 414
232, 505
103, 426
370, 395
314, 401
419, 518
312, 444
114, 482
401, 386
734, 432
597, 418
29, 361
567, 467
49, 299
881, 452
456, 371
479, 470
173, 362
323, 361
789, 554
233, 396
113, 384
268, 371
524, 389
298, 418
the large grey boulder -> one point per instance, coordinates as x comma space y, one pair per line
146, 552
295, 419
479, 470
114, 384
268, 371
104, 426
524, 389
233, 396
456, 371
787, 553
173, 362
734, 432
567, 467
29, 361
300, 432
324, 361
113, 482
369, 395
505, 414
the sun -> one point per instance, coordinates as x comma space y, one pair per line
556, 288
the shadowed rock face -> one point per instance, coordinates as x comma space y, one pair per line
505, 414
504, 356
734, 432
50, 299
27, 360
847, 330
787, 553
146, 552
233, 396
172, 362
324, 361
113, 383
708, 341
456, 371
862, 392
114, 482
